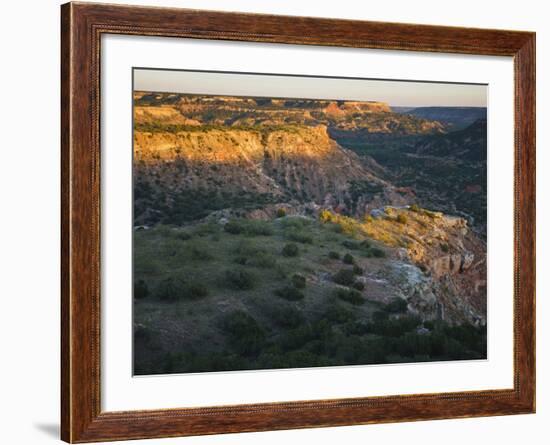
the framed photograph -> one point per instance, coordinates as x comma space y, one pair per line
275, 222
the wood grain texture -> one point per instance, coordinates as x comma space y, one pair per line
82, 26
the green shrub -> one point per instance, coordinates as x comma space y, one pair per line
263, 261
380, 316
183, 236
339, 314
245, 335
396, 327
170, 289
289, 293
233, 227
175, 289
206, 229
287, 317
348, 259
428, 324
295, 222
397, 305
352, 245
377, 252
415, 208
241, 259
350, 295
195, 290
201, 253
364, 244
334, 255
290, 250
357, 270
141, 290
359, 285
248, 227
345, 277
258, 228
299, 281
281, 213
299, 237
445, 247
239, 279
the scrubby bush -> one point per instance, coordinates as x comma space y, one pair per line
281, 213
299, 281
299, 237
359, 285
350, 295
183, 236
345, 277
428, 324
245, 335
141, 290
397, 305
195, 290
175, 289
262, 260
336, 313
289, 293
357, 270
233, 227
239, 279
206, 229
295, 222
201, 253
287, 316
396, 327
290, 250
380, 316
415, 208
352, 245
364, 244
170, 289
334, 255
248, 227
348, 259
377, 252
258, 228
445, 247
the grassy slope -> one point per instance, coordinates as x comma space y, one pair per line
183, 330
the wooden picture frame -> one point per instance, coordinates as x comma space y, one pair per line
82, 26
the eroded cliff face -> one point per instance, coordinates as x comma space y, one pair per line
449, 254
436, 263
286, 163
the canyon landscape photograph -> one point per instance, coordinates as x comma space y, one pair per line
283, 231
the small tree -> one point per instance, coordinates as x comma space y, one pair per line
348, 258
290, 250
299, 281
345, 277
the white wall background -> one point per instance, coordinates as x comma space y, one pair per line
29, 224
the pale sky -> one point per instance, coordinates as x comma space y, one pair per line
396, 93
